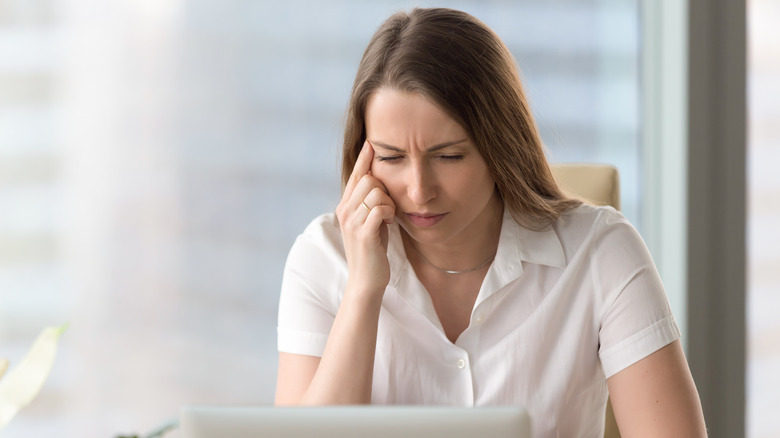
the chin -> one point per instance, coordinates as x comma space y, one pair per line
427, 236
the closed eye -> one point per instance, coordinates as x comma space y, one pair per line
394, 158
450, 157
388, 159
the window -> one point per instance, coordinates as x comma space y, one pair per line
157, 159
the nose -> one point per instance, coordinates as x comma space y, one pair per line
421, 187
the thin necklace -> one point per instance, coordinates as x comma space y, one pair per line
447, 271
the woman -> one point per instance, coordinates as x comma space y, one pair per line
455, 272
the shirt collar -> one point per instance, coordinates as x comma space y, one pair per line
516, 244
396, 254
541, 247
404, 281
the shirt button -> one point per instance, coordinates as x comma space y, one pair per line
461, 363
479, 319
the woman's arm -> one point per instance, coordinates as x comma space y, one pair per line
294, 376
344, 374
657, 397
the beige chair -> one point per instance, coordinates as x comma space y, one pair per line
595, 184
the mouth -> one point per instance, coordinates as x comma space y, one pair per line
424, 220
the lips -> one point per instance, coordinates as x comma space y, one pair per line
424, 220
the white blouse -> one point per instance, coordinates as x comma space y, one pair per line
559, 312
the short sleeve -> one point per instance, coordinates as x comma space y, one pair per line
314, 276
636, 319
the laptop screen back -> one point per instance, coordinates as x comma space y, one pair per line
354, 422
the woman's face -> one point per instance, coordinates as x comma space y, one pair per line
441, 186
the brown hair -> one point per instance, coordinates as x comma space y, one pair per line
459, 64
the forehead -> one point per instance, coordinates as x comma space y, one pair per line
396, 117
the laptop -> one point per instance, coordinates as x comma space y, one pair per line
354, 422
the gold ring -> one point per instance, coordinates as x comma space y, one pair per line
363, 203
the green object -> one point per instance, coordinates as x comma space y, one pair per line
164, 429
158, 432
20, 386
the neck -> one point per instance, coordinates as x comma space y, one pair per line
452, 271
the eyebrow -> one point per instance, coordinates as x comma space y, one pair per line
430, 149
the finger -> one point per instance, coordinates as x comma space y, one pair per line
379, 215
377, 196
377, 182
361, 190
362, 166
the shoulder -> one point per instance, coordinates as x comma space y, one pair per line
325, 229
595, 228
586, 215
603, 241
319, 244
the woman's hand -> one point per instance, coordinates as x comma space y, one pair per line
364, 212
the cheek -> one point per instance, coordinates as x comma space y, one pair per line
471, 177
386, 176
476, 182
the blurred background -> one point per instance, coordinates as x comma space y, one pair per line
158, 158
